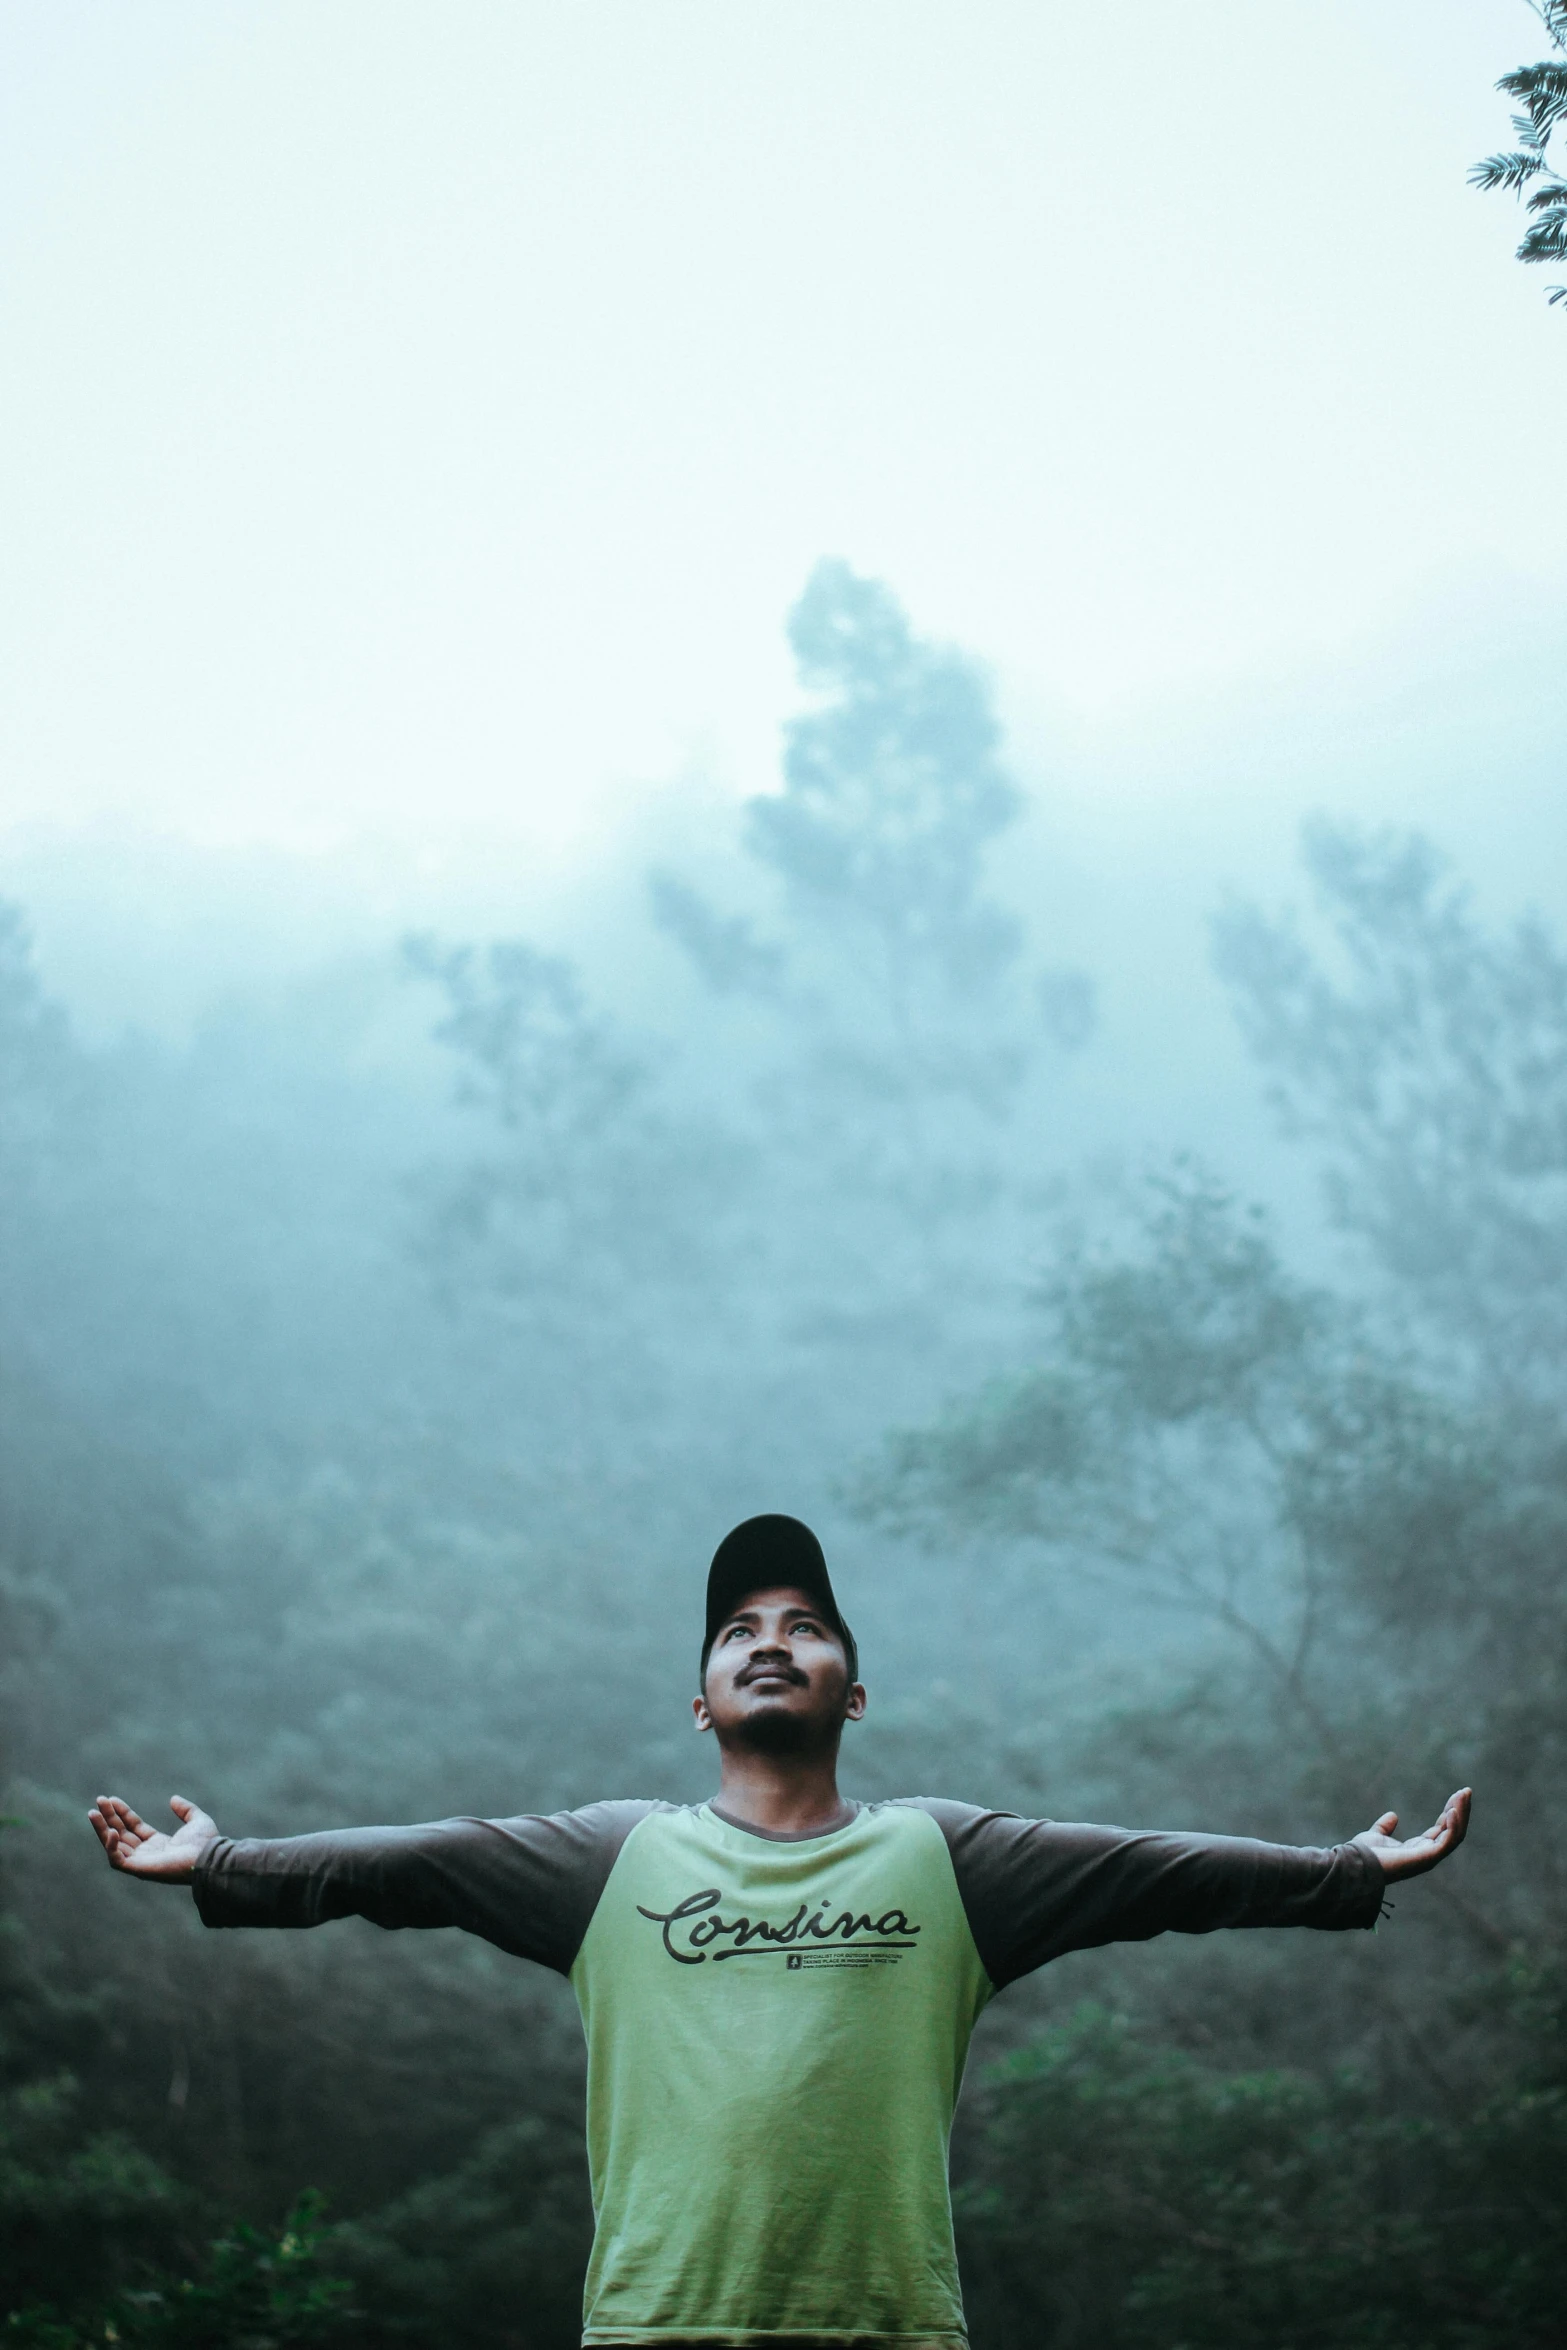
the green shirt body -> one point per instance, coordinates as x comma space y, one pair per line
776, 2035
777, 2027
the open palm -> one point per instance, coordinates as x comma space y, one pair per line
145, 1852
1416, 1854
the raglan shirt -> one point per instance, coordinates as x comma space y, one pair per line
777, 2026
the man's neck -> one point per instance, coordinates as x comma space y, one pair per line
785, 1794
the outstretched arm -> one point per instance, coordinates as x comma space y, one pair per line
142, 1851
529, 1885
1033, 1889
1418, 1853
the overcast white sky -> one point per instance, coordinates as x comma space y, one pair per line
418, 419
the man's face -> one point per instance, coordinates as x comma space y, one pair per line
777, 1674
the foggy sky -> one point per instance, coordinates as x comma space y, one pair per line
418, 423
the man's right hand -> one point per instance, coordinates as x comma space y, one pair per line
141, 1851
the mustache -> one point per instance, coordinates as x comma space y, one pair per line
776, 1668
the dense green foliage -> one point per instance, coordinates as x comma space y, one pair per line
1139, 2197
254, 2285
361, 1447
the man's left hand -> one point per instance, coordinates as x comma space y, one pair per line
1418, 1853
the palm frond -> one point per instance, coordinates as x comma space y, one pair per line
1531, 83
1506, 171
1546, 241
1543, 89
1541, 92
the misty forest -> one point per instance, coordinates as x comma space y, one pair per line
1161, 1315
379, 1371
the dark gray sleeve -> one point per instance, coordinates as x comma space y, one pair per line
529, 1885
1033, 1889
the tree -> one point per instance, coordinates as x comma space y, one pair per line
1427, 1059
48, 1099
595, 1185
1542, 91
893, 792
1184, 1432
894, 795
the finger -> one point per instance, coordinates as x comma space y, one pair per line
128, 1822
1385, 1825
1453, 1825
106, 1812
195, 1822
181, 1806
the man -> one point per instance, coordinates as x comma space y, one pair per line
778, 1987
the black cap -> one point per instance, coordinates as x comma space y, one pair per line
757, 1556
